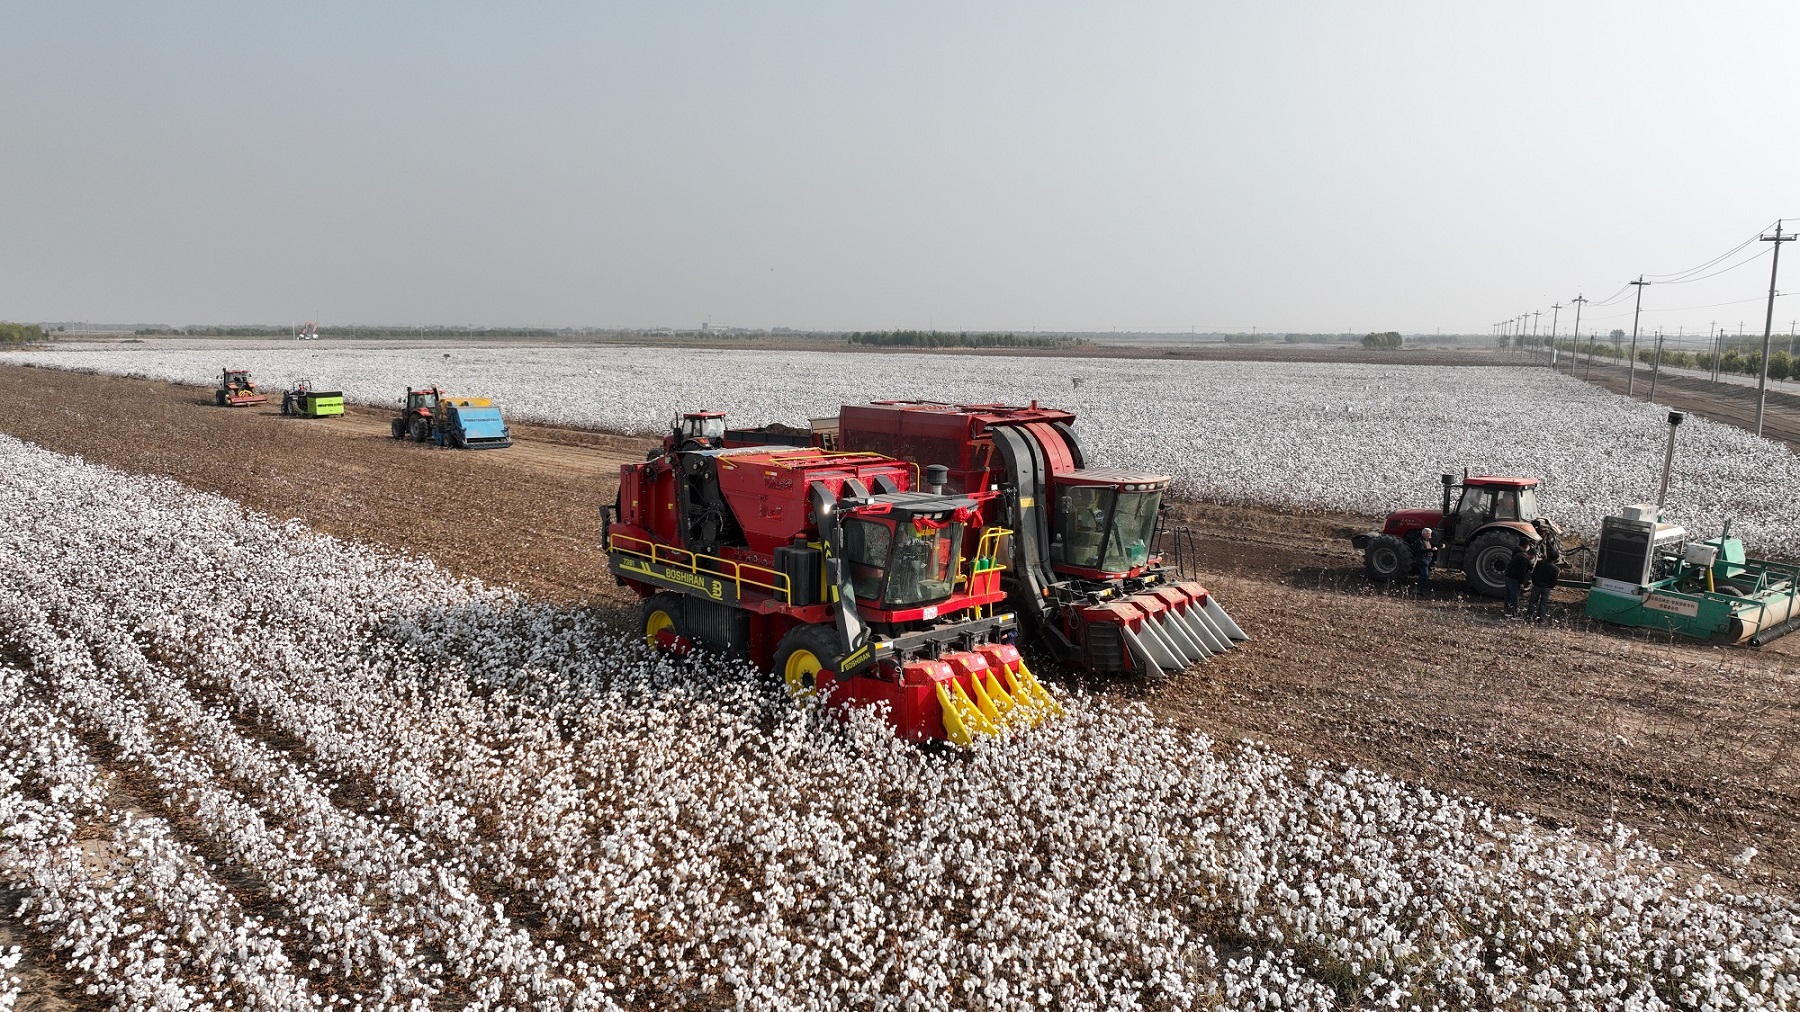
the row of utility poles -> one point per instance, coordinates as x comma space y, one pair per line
1514, 329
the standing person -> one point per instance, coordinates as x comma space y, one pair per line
1543, 579
1518, 571
1424, 553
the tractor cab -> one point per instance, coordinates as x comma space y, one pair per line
421, 402
1488, 499
696, 430
237, 379
1103, 522
905, 550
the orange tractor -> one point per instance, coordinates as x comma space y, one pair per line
237, 389
1494, 515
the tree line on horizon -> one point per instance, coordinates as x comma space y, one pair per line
956, 339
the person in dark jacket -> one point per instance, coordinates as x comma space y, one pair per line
1424, 553
1543, 579
1518, 572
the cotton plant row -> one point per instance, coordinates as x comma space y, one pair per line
392, 741
142, 920
1342, 437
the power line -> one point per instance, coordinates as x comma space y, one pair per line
1671, 278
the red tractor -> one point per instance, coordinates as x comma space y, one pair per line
836, 570
1494, 516
1085, 576
237, 389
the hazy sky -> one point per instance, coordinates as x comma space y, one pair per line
1284, 166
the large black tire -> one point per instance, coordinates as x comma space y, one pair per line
420, 430
663, 612
1484, 564
398, 428
219, 397
802, 654
1387, 559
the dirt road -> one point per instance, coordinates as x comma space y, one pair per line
1571, 723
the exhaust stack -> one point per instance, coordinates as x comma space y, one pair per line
1662, 491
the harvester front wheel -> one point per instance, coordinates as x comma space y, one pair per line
1387, 559
664, 625
804, 652
1485, 562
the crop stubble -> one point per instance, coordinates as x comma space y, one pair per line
1571, 724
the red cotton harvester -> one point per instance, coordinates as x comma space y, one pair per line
1084, 576
835, 570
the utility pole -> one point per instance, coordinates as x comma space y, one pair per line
1631, 372
1576, 338
1718, 339
1554, 310
1762, 376
1656, 369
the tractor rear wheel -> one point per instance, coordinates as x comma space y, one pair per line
1387, 559
398, 428
1484, 564
803, 653
219, 397
420, 430
664, 622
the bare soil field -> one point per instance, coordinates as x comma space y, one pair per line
1571, 723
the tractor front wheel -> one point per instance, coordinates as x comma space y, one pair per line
805, 652
398, 428
1484, 564
665, 622
1387, 559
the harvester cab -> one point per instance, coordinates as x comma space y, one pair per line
236, 389
1084, 573
832, 569
1492, 516
695, 430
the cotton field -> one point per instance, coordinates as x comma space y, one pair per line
1353, 438
246, 765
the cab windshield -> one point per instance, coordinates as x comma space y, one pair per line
902, 564
1105, 529
711, 429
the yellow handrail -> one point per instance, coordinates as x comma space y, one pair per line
739, 573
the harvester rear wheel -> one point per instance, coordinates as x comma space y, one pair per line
1485, 562
664, 621
804, 652
1387, 559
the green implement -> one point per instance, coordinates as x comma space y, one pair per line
306, 402
1647, 575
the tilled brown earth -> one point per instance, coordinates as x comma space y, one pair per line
1571, 723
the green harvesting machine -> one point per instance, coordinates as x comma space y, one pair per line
1648, 574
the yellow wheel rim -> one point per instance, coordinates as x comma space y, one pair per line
658, 621
802, 673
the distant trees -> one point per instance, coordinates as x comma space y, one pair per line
1386, 340
20, 333
954, 339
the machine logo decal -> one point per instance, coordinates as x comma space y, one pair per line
1672, 605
